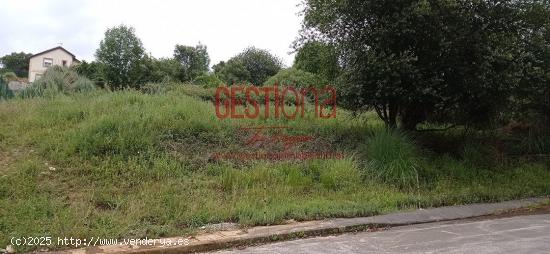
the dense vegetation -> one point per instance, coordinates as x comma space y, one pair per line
453, 62
131, 164
296, 77
439, 103
252, 66
18, 63
318, 58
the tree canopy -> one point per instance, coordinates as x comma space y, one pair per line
194, 61
318, 58
426, 60
253, 65
122, 55
17, 63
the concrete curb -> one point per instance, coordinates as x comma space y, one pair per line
263, 234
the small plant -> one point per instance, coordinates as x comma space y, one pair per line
393, 158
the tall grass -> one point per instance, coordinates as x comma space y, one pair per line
57, 80
5, 92
476, 154
393, 158
129, 164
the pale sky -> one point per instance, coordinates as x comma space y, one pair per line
225, 27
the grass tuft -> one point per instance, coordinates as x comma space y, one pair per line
393, 158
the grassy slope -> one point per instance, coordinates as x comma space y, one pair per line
134, 165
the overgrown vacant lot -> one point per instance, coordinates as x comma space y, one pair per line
128, 164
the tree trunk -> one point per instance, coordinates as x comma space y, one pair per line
388, 114
392, 115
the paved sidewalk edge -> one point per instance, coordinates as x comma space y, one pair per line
263, 234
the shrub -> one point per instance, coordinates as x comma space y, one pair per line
9, 76
208, 81
57, 80
296, 78
93, 71
253, 65
393, 158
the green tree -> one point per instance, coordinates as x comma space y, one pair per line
161, 69
533, 90
318, 58
194, 61
425, 60
122, 55
252, 66
92, 70
17, 63
232, 72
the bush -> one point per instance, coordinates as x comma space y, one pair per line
9, 76
57, 80
93, 71
393, 158
253, 66
295, 77
208, 81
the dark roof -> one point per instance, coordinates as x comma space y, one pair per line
52, 49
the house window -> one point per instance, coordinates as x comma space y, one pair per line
64, 62
47, 62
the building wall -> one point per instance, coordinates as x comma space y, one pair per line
36, 63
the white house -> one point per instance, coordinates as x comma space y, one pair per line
38, 63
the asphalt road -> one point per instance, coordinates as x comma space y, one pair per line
521, 234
